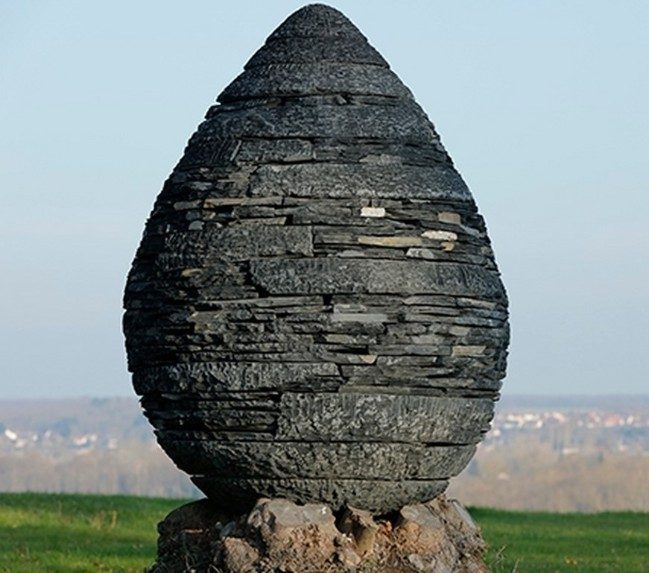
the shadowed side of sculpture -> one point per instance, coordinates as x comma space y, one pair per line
314, 311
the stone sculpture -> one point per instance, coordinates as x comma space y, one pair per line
314, 311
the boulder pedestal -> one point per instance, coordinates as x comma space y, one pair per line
281, 536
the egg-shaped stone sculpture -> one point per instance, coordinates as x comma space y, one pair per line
314, 311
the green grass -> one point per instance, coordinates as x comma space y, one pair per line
548, 542
56, 533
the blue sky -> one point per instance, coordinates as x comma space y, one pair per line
542, 105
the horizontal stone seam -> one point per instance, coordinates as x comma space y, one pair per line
142, 372
472, 394
274, 440
359, 390
302, 442
288, 98
362, 63
328, 479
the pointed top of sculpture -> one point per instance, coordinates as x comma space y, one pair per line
316, 33
316, 20
315, 51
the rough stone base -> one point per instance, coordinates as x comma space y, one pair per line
281, 536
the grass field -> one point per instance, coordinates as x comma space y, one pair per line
56, 533
549, 542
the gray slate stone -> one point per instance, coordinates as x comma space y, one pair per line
337, 181
377, 495
382, 418
315, 311
330, 275
297, 50
317, 78
319, 460
406, 123
232, 377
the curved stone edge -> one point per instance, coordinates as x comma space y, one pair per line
339, 417
372, 417
318, 78
353, 50
196, 378
318, 459
379, 496
405, 123
316, 21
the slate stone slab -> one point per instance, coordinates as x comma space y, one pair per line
378, 495
334, 181
315, 311
331, 275
406, 123
348, 48
232, 376
290, 79
207, 246
359, 417
319, 460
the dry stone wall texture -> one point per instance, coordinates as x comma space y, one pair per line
315, 311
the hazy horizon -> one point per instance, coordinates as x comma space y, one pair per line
541, 105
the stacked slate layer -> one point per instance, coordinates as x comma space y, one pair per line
314, 311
